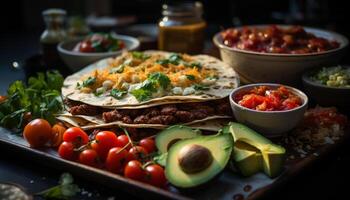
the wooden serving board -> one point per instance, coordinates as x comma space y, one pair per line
228, 185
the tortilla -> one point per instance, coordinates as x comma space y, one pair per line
227, 80
209, 124
97, 120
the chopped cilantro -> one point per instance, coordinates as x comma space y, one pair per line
163, 62
118, 69
190, 77
118, 94
160, 78
140, 55
174, 59
200, 87
151, 85
88, 82
195, 65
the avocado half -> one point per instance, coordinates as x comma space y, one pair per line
173, 134
253, 152
186, 168
247, 158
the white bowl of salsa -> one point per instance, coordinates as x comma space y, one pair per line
271, 109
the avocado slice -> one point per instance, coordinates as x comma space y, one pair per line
247, 158
173, 134
273, 156
193, 162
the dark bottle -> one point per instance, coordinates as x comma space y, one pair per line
55, 33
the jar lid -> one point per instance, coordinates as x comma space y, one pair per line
183, 9
54, 12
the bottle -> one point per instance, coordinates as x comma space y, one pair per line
182, 28
55, 33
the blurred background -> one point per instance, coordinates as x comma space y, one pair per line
21, 21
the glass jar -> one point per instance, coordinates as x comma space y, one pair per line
55, 33
182, 28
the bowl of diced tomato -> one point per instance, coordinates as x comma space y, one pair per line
78, 53
272, 109
278, 53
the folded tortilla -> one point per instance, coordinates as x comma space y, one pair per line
226, 81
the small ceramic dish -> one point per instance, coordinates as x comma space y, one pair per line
269, 123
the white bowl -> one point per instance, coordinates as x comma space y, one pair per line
269, 123
77, 60
255, 67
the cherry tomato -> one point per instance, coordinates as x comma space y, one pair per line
89, 157
57, 132
66, 151
137, 152
116, 160
148, 144
76, 136
104, 141
37, 132
86, 47
123, 140
155, 175
134, 170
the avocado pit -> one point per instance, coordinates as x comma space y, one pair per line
194, 158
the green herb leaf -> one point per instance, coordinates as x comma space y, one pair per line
160, 78
196, 65
118, 69
41, 98
175, 59
200, 87
190, 77
118, 94
140, 55
54, 80
142, 94
163, 62
151, 85
65, 190
88, 82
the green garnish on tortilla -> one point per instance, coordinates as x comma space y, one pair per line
151, 85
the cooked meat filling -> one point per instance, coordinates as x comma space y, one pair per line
163, 114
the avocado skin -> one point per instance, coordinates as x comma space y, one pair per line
172, 133
220, 146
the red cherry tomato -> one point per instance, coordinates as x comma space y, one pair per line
155, 175
134, 170
123, 140
66, 151
105, 140
38, 132
89, 157
116, 160
76, 136
148, 144
86, 47
137, 152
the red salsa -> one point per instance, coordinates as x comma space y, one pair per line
264, 98
274, 39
